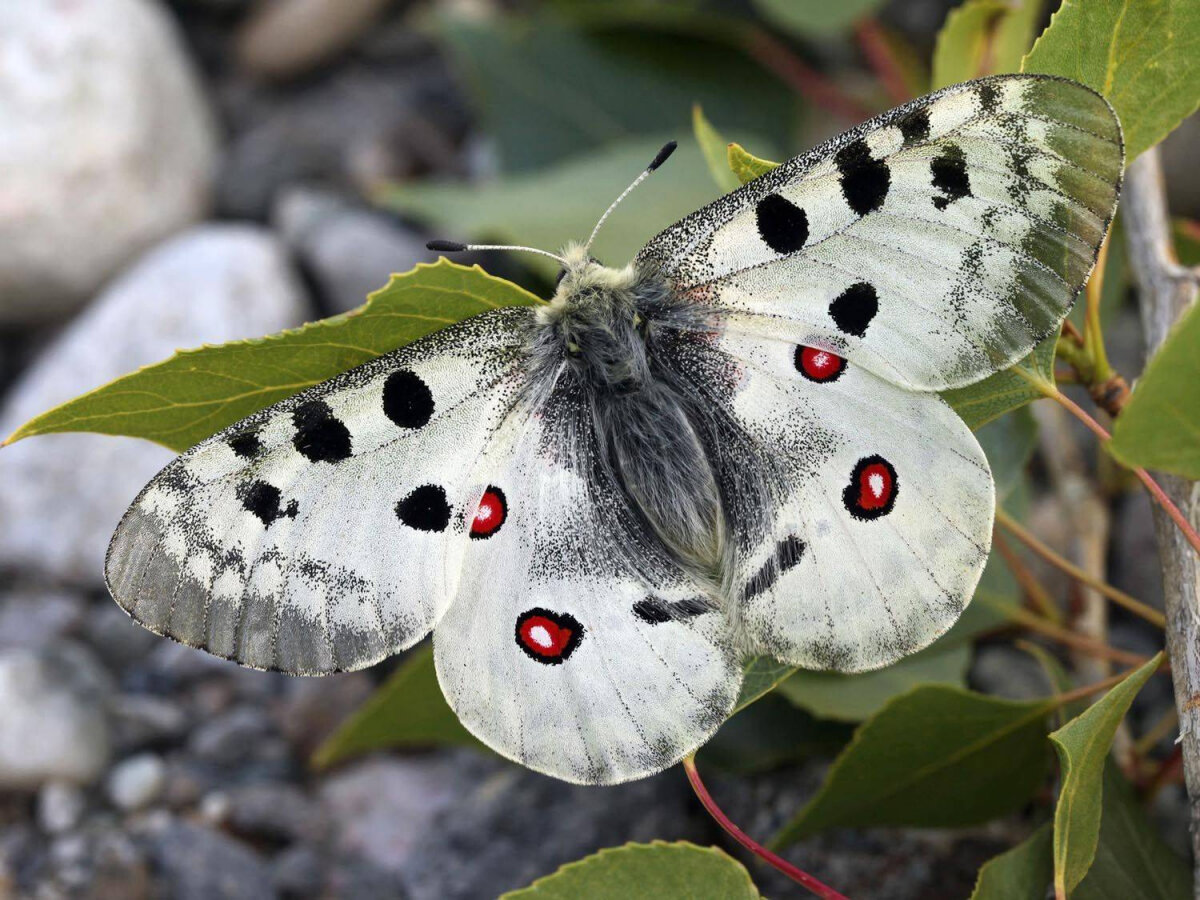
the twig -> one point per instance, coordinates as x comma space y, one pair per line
874, 45
1069, 638
801, 77
1026, 537
797, 875
1027, 580
1087, 690
1165, 290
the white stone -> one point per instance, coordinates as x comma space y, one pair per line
64, 493
136, 782
52, 724
60, 806
106, 146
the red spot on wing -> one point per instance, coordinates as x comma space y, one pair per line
818, 365
490, 514
546, 636
872, 490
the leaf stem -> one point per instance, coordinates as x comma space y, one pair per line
1087, 690
874, 46
1143, 476
797, 875
1077, 641
1093, 334
1027, 580
801, 77
1026, 537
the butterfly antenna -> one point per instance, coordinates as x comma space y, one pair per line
658, 160
456, 247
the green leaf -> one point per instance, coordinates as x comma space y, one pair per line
563, 202
1143, 55
657, 869
815, 18
852, 698
1008, 443
1131, 859
1004, 391
1020, 873
1159, 428
937, 756
760, 676
196, 393
1083, 745
407, 710
745, 166
715, 149
770, 734
983, 37
547, 90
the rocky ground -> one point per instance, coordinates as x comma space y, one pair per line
159, 164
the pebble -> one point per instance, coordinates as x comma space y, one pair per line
59, 513
140, 721
277, 813
298, 873
282, 40
60, 806
350, 252
312, 708
108, 147
231, 737
136, 782
198, 863
35, 619
54, 724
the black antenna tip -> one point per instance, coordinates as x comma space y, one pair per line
663, 155
445, 246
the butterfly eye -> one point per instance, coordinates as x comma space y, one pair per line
562, 273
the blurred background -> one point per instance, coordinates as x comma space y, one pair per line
180, 172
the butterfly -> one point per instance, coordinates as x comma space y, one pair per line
732, 446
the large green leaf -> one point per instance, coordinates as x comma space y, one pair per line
1008, 442
769, 734
983, 37
407, 710
657, 869
562, 203
936, 756
761, 675
815, 18
715, 149
1159, 428
745, 166
852, 698
1083, 745
1143, 55
1021, 873
547, 90
1131, 859
196, 393
1004, 391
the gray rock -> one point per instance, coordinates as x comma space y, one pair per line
108, 147
136, 782
281, 40
278, 813
116, 638
140, 721
298, 873
515, 826
312, 708
212, 284
1005, 671
231, 737
60, 806
201, 864
33, 619
53, 725
364, 881
349, 251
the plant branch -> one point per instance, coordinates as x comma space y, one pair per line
801, 77
874, 46
1069, 638
1026, 537
1081, 693
1165, 290
797, 875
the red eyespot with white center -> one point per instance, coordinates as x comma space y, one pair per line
872, 490
548, 637
490, 514
818, 365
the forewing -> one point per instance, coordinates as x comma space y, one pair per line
871, 521
932, 245
325, 532
574, 645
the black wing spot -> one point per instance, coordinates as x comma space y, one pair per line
246, 444
865, 180
425, 509
782, 224
407, 400
655, 610
789, 552
989, 98
853, 309
262, 499
914, 126
949, 171
320, 436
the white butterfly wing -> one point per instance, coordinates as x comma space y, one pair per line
932, 245
326, 532
575, 646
